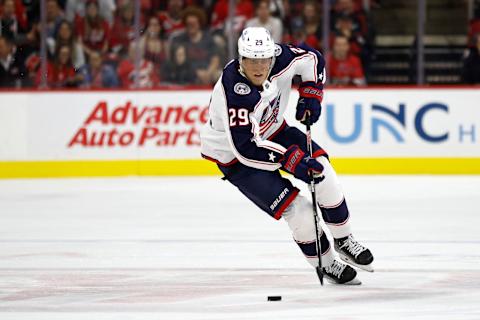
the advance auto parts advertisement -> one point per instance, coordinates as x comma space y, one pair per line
107, 125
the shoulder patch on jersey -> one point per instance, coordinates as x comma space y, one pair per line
242, 89
278, 50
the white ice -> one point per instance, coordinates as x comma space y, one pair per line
194, 248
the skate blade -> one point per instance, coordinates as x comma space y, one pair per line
366, 267
354, 282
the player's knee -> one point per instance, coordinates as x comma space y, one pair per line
299, 217
329, 192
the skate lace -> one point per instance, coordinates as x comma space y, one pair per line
336, 268
353, 246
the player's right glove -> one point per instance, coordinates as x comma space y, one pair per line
300, 165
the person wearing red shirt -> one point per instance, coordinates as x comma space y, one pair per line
244, 10
93, 29
171, 19
123, 30
147, 74
60, 72
344, 68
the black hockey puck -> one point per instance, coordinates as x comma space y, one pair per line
274, 298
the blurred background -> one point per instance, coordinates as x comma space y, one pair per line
128, 44
94, 89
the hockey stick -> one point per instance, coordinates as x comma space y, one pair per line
314, 202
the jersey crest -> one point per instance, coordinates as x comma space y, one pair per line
270, 115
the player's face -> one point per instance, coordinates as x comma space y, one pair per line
256, 70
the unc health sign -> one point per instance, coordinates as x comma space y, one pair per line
402, 123
116, 125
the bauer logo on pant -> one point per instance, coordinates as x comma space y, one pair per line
279, 199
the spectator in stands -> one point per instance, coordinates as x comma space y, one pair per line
345, 27
180, 70
344, 68
471, 65
277, 8
123, 31
60, 72
32, 65
54, 17
265, 20
358, 46
152, 44
93, 29
10, 25
244, 10
12, 69
171, 19
349, 19
99, 75
297, 35
311, 24
30, 51
27, 12
65, 36
201, 49
147, 76
349, 8
75, 10
293, 8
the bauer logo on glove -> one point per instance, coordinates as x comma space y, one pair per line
311, 96
301, 165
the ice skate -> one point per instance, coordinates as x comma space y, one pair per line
352, 252
340, 273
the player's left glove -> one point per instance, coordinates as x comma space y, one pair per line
311, 96
300, 165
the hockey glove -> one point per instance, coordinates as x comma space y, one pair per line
310, 100
300, 165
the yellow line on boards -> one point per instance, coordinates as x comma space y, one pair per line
407, 165
200, 167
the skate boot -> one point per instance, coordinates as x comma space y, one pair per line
354, 253
340, 273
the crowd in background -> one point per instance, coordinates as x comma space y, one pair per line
93, 43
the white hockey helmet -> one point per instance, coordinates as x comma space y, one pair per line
256, 43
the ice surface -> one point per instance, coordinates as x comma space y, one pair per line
194, 248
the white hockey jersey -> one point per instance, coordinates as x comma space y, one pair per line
242, 117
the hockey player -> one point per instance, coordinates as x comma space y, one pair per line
248, 138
